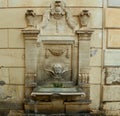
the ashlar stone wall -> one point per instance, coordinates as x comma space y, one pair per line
111, 56
105, 50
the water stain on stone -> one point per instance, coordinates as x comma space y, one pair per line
2, 83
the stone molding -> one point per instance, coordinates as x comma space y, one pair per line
30, 33
84, 34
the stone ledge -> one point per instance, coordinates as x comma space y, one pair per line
60, 114
30, 33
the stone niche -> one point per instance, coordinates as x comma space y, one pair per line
57, 55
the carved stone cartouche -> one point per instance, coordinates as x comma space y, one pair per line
57, 9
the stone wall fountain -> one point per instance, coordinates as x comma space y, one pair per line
57, 61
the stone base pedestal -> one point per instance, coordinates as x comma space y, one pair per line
42, 107
77, 107
15, 113
58, 106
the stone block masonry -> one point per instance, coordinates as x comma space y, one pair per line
104, 52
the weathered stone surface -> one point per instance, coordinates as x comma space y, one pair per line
16, 113
112, 75
12, 93
60, 107
84, 57
95, 59
2, 83
23, 3
76, 108
112, 58
95, 96
96, 39
40, 107
4, 75
111, 93
112, 18
8, 105
113, 38
3, 3
112, 112
31, 53
15, 38
3, 38
95, 75
16, 75
12, 57
112, 108
114, 3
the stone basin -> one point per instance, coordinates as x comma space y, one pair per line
60, 91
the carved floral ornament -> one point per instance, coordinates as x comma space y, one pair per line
57, 10
56, 52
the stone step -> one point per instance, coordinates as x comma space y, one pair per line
78, 114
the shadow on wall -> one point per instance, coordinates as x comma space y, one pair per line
4, 113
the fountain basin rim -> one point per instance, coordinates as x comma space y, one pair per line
58, 93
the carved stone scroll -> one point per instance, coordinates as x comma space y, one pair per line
84, 78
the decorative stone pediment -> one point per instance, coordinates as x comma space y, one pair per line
58, 18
